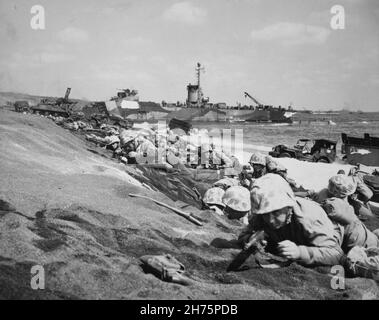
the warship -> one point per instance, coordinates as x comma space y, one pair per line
197, 108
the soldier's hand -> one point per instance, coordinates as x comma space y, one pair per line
289, 250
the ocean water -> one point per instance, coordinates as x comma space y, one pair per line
263, 137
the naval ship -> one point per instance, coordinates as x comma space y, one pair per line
198, 108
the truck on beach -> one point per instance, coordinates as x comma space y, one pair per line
319, 150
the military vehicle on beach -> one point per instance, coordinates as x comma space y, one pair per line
55, 106
21, 106
319, 150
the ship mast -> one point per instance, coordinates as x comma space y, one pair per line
199, 68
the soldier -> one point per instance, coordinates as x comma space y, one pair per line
297, 229
212, 199
355, 232
352, 189
265, 164
237, 203
246, 177
234, 202
146, 151
258, 163
360, 198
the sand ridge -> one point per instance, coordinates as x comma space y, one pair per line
66, 208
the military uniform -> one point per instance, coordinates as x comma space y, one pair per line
318, 239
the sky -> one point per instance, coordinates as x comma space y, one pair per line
280, 51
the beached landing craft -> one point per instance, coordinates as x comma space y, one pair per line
361, 150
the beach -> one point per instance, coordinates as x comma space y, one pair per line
65, 205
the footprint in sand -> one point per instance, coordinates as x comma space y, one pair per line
100, 168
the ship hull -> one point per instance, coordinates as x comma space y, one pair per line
230, 115
355, 156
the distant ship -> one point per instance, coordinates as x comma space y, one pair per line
198, 108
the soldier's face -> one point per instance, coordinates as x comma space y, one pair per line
258, 167
278, 218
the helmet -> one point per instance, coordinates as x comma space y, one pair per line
112, 140
258, 158
226, 183
270, 193
237, 198
274, 166
342, 186
127, 136
132, 154
214, 196
171, 158
172, 138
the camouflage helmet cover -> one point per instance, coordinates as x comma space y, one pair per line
214, 196
237, 198
270, 193
342, 186
258, 158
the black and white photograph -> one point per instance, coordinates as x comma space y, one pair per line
207, 152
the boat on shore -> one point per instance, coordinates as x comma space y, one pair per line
361, 150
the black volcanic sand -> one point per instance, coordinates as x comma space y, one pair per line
64, 204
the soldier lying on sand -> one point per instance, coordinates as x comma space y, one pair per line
297, 229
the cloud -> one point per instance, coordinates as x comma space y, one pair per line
185, 12
137, 41
48, 57
73, 35
292, 33
34, 59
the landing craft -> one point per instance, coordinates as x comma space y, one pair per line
360, 150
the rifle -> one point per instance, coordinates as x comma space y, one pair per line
252, 247
184, 214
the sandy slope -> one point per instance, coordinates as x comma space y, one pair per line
312, 175
67, 208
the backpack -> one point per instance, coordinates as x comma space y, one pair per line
363, 262
372, 181
166, 267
